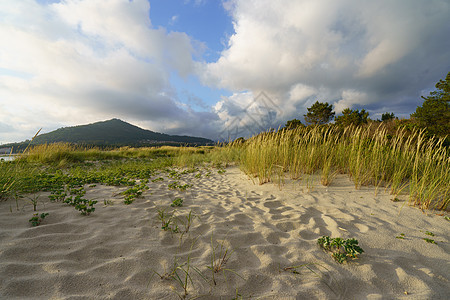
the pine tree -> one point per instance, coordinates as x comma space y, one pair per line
434, 114
319, 113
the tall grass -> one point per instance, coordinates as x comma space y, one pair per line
404, 162
65, 153
368, 155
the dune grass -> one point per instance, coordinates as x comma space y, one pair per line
403, 162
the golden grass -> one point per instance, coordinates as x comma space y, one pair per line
399, 163
370, 157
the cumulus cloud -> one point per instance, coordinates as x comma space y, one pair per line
356, 54
81, 61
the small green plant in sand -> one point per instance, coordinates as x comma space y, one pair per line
57, 194
187, 221
171, 222
237, 296
220, 254
158, 179
177, 202
174, 174
325, 277
34, 200
181, 273
168, 221
37, 219
401, 236
176, 185
429, 241
340, 249
134, 192
84, 206
16, 195
108, 202
447, 218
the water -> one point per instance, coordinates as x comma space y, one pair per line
7, 157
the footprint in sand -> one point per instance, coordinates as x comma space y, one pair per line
361, 227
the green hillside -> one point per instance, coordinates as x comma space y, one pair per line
113, 132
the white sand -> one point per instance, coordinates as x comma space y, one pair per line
113, 253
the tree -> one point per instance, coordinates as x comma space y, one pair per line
434, 114
292, 124
319, 113
387, 117
352, 117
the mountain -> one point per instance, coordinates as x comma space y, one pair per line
114, 132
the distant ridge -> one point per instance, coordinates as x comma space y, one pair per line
114, 132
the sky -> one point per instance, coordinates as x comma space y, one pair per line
212, 68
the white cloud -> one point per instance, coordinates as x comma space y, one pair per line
348, 53
349, 99
81, 61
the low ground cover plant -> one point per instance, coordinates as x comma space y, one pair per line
177, 202
176, 185
84, 206
135, 191
37, 219
168, 221
341, 249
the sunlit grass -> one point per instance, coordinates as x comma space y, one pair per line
402, 163
369, 156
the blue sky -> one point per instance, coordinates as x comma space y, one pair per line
211, 67
207, 22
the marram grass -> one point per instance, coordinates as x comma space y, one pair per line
369, 156
402, 163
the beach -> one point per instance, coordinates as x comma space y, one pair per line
269, 233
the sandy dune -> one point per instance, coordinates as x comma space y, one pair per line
113, 253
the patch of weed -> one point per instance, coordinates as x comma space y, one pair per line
341, 249
37, 219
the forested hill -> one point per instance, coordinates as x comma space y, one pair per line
114, 132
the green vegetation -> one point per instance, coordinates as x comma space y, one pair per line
340, 249
292, 124
352, 117
434, 114
37, 219
219, 259
318, 114
177, 202
406, 161
429, 241
113, 132
135, 191
401, 236
84, 206
387, 117
181, 273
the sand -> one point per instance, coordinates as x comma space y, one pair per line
115, 252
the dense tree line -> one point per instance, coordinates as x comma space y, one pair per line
433, 116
